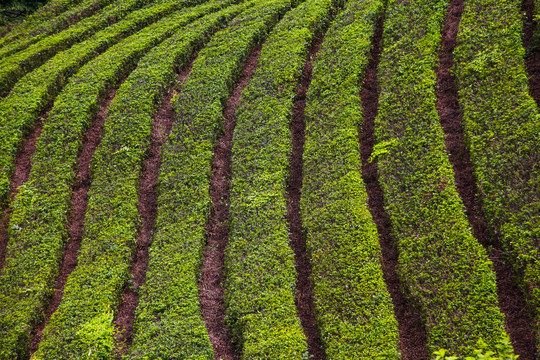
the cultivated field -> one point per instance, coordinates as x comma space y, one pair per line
271, 179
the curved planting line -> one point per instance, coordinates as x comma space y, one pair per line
341, 235
501, 128
22, 166
444, 269
41, 30
39, 216
531, 43
51, 9
211, 293
147, 207
20, 176
17, 65
511, 299
260, 275
93, 290
169, 333
412, 333
75, 221
170, 312
304, 289
30, 95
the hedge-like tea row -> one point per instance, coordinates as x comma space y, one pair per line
37, 226
42, 29
63, 337
260, 266
50, 10
445, 269
13, 67
29, 97
353, 306
169, 311
502, 129
166, 324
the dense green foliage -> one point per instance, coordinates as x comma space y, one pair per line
444, 268
182, 220
70, 54
13, 67
51, 9
28, 34
169, 311
259, 269
502, 129
341, 236
20, 109
104, 258
40, 208
37, 226
502, 351
16, 10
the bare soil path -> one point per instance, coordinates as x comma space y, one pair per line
211, 293
20, 175
79, 203
532, 48
412, 334
511, 300
147, 207
304, 288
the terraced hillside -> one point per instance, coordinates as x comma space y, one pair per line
271, 179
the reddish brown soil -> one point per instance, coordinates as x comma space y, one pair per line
511, 299
79, 203
211, 292
304, 289
147, 206
412, 334
532, 60
20, 175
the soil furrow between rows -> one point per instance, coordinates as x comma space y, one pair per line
532, 49
79, 203
304, 288
21, 172
412, 334
511, 298
211, 293
147, 207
